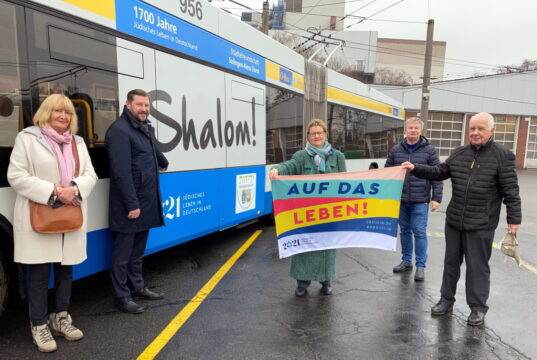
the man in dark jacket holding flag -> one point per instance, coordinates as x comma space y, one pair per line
482, 176
416, 197
135, 204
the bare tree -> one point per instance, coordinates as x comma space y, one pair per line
388, 76
526, 65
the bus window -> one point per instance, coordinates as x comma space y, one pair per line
11, 70
84, 113
82, 70
284, 124
10, 77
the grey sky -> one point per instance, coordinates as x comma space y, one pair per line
489, 32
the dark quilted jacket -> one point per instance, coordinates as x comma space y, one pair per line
481, 179
416, 190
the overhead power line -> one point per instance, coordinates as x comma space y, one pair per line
306, 7
451, 61
378, 12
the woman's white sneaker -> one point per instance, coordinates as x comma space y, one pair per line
43, 338
62, 325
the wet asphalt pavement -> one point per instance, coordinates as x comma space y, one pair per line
253, 314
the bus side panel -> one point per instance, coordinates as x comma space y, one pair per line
245, 123
190, 104
191, 206
242, 195
99, 249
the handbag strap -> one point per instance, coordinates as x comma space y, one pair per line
75, 155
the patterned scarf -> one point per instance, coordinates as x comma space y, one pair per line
320, 155
65, 157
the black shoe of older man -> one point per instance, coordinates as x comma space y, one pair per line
127, 305
442, 307
476, 318
146, 294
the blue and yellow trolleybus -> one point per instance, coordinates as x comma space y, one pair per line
226, 102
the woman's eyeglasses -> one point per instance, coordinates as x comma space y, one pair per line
316, 133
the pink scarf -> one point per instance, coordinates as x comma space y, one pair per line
65, 158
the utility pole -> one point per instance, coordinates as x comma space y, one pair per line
426, 89
265, 18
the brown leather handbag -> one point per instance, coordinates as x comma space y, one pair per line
51, 219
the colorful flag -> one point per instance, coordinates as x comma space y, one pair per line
338, 210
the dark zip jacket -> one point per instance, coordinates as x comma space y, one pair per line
416, 190
481, 178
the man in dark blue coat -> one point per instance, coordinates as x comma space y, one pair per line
413, 214
135, 204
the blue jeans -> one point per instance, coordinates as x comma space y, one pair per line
413, 221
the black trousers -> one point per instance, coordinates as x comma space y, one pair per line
127, 260
38, 278
475, 248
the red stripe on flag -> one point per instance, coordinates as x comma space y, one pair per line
282, 205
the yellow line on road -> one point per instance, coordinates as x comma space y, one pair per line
524, 264
173, 327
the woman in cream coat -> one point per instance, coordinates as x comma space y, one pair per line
41, 169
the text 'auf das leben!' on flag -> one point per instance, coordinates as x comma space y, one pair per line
337, 210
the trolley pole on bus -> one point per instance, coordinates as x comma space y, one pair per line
265, 18
426, 88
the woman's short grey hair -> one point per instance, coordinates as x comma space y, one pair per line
414, 119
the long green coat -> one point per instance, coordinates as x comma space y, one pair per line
314, 265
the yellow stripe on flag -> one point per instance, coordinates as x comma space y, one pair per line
333, 212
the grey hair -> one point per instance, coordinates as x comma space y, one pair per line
414, 119
490, 118
490, 121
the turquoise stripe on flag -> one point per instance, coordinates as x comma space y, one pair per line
385, 189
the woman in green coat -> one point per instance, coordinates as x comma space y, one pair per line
318, 157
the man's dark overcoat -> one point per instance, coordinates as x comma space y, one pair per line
134, 161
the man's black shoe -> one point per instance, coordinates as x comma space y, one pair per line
146, 294
402, 267
443, 307
127, 305
476, 318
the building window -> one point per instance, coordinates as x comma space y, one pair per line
444, 131
531, 152
294, 6
504, 134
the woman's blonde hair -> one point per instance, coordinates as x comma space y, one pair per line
56, 102
316, 122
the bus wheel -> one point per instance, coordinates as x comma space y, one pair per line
4, 283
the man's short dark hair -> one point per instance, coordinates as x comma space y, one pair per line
134, 92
